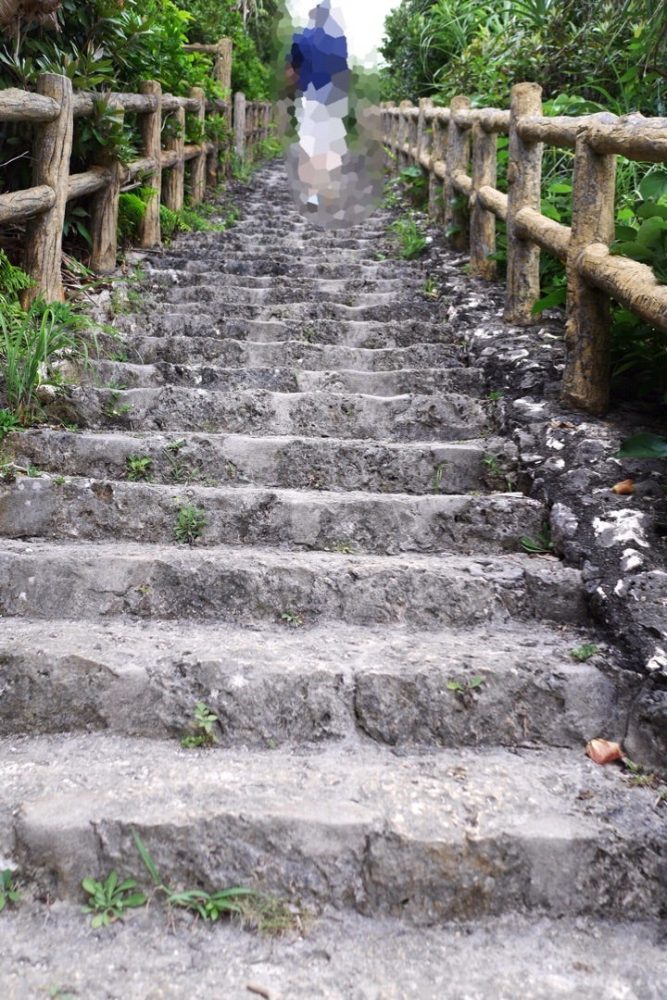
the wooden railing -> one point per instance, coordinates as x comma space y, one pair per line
53, 111
457, 147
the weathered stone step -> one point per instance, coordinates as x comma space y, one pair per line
270, 266
227, 296
283, 379
230, 353
450, 417
286, 685
102, 580
388, 524
454, 835
367, 334
299, 312
289, 462
201, 277
502, 958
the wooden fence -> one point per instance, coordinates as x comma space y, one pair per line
457, 147
54, 110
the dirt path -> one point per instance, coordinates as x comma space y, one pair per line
290, 502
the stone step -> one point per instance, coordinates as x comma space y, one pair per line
386, 524
283, 462
450, 417
227, 296
268, 266
294, 312
201, 276
178, 349
429, 837
284, 685
399, 382
321, 332
357, 958
102, 580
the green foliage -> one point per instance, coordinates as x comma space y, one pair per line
584, 652
138, 468
644, 446
9, 894
265, 913
646, 240
203, 728
409, 237
415, 185
108, 900
540, 546
190, 523
8, 422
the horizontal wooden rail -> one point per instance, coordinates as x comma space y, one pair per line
457, 149
20, 205
22, 106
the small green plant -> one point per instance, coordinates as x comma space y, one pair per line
584, 652
415, 184
309, 333
437, 476
495, 396
343, 547
202, 728
639, 776
138, 468
59, 480
8, 422
493, 465
432, 289
540, 546
467, 690
409, 238
265, 913
190, 524
291, 618
109, 900
9, 893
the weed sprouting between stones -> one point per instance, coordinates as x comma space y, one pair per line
108, 900
9, 892
190, 524
202, 728
584, 652
540, 546
138, 468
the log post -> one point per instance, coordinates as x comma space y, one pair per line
586, 376
403, 159
222, 69
151, 131
458, 156
104, 214
239, 125
173, 181
524, 180
436, 207
423, 143
198, 167
482, 221
52, 152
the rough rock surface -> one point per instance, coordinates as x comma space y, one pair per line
401, 721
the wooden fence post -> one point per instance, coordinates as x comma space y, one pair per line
151, 131
239, 125
404, 135
104, 215
222, 69
436, 208
198, 168
587, 329
173, 181
458, 155
524, 180
482, 221
423, 143
52, 152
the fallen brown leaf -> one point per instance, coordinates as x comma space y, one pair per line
603, 751
626, 488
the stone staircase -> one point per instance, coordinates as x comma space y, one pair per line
401, 722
